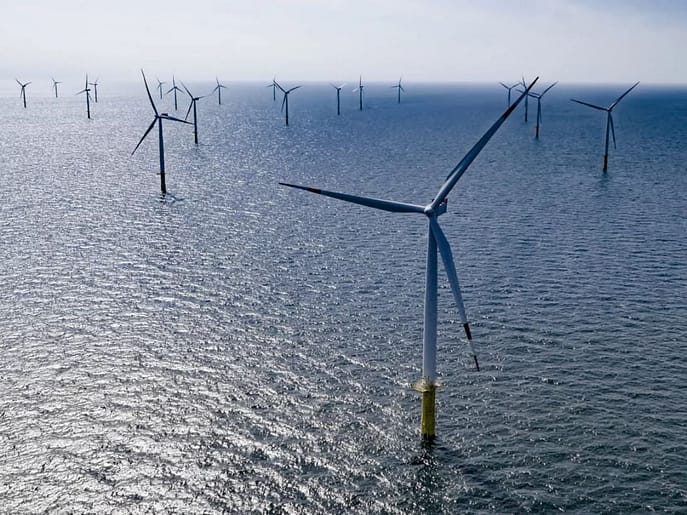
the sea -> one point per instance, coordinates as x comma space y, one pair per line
236, 346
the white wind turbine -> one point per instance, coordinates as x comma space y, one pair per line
159, 86
359, 89
510, 88
54, 85
87, 91
609, 120
158, 119
95, 89
436, 242
400, 88
273, 85
194, 101
174, 88
538, 97
338, 97
218, 89
285, 102
22, 93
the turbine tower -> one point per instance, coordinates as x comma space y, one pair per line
527, 104
436, 243
285, 102
218, 89
157, 120
273, 85
22, 93
400, 88
609, 120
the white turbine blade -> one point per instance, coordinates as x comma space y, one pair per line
342, 85
460, 168
622, 96
174, 119
150, 97
385, 205
356, 89
610, 119
145, 134
589, 105
450, 267
551, 86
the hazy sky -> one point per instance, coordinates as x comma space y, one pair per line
423, 40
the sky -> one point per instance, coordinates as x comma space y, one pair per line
580, 41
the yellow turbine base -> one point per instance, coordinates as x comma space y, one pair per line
428, 420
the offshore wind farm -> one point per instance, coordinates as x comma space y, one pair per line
186, 328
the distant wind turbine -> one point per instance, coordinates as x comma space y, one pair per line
87, 91
338, 97
174, 88
509, 88
436, 242
609, 120
273, 85
218, 89
538, 96
359, 89
159, 86
54, 86
22, 93
193, 103
400, 88
158, 119
285, 102
95, 90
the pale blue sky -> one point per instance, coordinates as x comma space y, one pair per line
429, 40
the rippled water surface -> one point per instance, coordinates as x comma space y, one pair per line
238, 346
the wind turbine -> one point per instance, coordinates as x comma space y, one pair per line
285, 102
359, 89
436, 242
274, 88
54, 85
158, 119
609, 120
194, 100
95, 90
338, 97
159, 86
218, 89
509, 88
538, 97
87, 91
174, 88
22, 93
400, 88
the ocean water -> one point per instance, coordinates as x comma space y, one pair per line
241, 347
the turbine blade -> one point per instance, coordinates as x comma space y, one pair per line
150, 97
502, 84
589, 105
187, 91
289, 91
384, 205
551, 86
189, 110
279, 86
450, 267
174, 119
145, 134
464, 163
623, 96
283, 102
